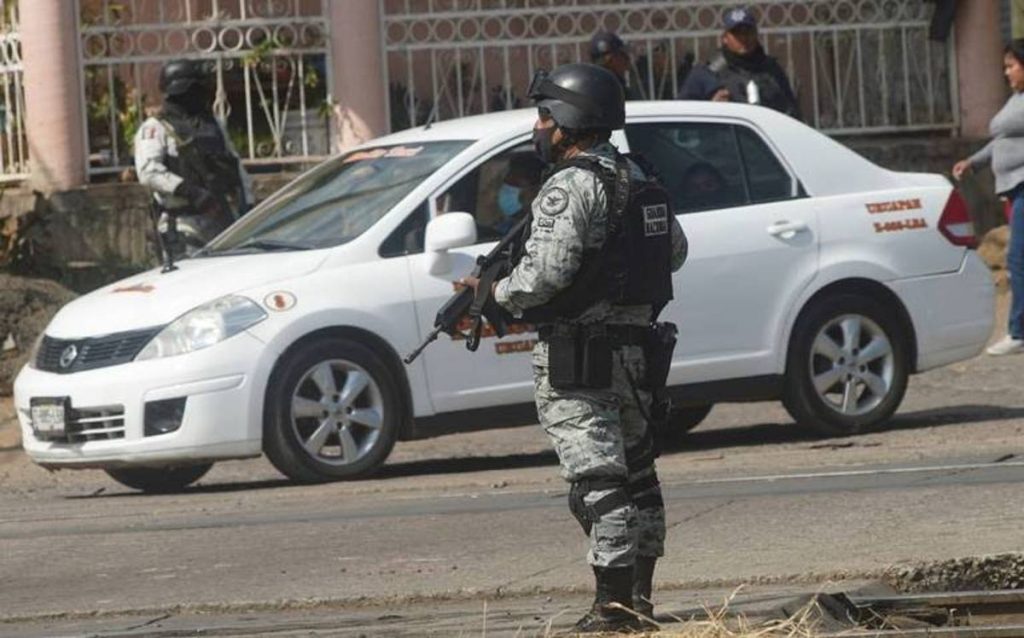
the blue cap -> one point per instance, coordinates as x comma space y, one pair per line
739, 17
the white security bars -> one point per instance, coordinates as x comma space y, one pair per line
270, 60
13, 145
858, 66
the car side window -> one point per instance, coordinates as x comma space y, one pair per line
768, 180
699, 163
407, 239
706, 166
497, 193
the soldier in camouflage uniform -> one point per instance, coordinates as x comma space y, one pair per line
186, 159
601, 435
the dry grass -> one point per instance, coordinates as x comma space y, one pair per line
719, 623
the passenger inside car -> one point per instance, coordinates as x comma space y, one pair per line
704, 187
519, 189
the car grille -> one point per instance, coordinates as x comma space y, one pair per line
91, 353
92, 424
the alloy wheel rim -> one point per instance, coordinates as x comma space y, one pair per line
852, 365
337, 412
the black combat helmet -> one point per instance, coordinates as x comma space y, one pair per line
603, 43
181, 76
580, 96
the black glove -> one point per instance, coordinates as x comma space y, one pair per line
201, 200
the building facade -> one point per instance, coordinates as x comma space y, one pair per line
298, 80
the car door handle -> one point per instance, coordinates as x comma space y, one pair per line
786, 229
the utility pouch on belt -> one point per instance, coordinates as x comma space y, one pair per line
661, 343
563, 357
579, 357
596, 366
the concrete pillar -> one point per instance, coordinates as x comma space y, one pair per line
1017, 19
358, 72
54, 120
979, 58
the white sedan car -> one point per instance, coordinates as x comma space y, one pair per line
814, 277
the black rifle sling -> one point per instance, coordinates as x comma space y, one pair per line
621, 197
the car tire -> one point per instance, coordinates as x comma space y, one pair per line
159, 480
681, 420
332, 412
847, 365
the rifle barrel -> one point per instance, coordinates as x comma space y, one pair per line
423, 346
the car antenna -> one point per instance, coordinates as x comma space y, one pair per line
431, 117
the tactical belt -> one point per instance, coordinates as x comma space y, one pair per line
621, 335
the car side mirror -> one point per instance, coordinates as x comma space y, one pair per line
450, 230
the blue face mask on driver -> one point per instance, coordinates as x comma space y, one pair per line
508, 200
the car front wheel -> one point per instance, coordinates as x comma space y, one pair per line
332, 412
159, 480
847, 367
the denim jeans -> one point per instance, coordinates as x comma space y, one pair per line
1015, 263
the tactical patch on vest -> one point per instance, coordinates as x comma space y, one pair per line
655, 220
544, 222
553, 201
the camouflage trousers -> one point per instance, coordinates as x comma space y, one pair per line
591, 431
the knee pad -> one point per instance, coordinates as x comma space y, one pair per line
587, 515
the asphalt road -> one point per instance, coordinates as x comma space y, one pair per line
456, 523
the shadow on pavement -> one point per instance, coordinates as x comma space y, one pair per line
767, 433
759, 434
467, 464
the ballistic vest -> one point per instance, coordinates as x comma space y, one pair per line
633, 267
203, 156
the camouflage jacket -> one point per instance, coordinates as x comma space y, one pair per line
569, 216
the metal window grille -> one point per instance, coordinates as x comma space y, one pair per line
13, 144
858, 66
270, 59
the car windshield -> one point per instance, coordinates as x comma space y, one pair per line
337, 201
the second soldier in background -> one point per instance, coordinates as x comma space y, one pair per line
185, 158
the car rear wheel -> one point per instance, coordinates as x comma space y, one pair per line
159, 480
681, 420
847, 367
333, 412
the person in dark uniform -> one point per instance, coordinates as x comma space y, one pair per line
742, 71
609, 51
185, 157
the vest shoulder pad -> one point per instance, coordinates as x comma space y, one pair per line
649, 170
587, 163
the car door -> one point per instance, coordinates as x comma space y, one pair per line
499, 372
753, 243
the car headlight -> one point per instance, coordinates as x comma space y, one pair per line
204, 326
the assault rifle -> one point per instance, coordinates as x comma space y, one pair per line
479, 305
165, 245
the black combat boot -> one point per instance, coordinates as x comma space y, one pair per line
614, 585
643, 584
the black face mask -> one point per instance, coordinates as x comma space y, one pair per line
543, 144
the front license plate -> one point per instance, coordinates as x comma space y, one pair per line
49, 416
